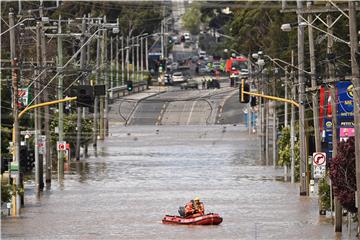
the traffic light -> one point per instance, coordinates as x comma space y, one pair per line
85, 95
27, 159
244, 87
253, 102
129, 86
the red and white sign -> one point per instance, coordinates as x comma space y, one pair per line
319, 163
319, 158
61, 146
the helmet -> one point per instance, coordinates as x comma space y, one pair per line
197, 199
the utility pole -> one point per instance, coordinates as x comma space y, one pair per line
331, 80
117, 56
16, 200
46, 153
127, 58
356, 90
37, 110
142, 58
303, 152
314, 98
97, 79
137, 59
262, 119
106, 79
102, 99
286, 96
79, 109
122, 62
111, 62
146, 55
292, 121
274, 120
133, 58
162, 39
117, 60
60, 96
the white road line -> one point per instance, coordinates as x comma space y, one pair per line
191, 111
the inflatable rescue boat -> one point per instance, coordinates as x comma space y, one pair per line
207, 219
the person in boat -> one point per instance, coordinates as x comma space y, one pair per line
194, 208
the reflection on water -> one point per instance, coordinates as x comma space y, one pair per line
124, 192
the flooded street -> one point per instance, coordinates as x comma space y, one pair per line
142, 173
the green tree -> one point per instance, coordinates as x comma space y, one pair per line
192, 19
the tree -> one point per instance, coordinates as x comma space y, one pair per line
191, 19
343, 175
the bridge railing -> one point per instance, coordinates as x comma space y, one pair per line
121, 91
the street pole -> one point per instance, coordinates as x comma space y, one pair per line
111, 62
314, 98
292, 121
106, 79
117, 60
162, 39
146, 55
137, 59
286, 124
37, 111
303, 152
142, 58
262, 119
46, 153
356, 91
97, 79
133, 58
127, 58
60, 96
16, 201
102, 99
331, 80
79, 109
122, 62
274, 122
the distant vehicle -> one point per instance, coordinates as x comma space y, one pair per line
187, 36
203, 69
216, 66
237, 67
193, 84
202, 54
178, 77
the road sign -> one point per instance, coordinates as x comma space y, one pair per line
319, 163
42, 144
61, 146
29, 132
319, 158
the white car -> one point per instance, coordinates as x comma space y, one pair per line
187, 36
202, 54
178, 77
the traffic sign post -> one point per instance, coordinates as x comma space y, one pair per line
319, 163
61, 146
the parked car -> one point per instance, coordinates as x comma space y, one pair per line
178, 77
193, 84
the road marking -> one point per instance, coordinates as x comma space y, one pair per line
191, 111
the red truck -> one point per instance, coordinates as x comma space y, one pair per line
237, 67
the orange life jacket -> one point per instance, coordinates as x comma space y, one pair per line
192, 208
